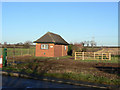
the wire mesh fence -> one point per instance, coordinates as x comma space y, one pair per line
20, 52
14, 52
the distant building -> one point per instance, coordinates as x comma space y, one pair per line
51, 45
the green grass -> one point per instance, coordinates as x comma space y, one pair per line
31, 51
84, 77
20, 51
70, 76
26, 51
51, 58
99, 61
113, 60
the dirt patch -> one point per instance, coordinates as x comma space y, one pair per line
52, 65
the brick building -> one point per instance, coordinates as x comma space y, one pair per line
51, 45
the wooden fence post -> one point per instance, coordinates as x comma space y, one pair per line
102, 56
21, 51
33, 52
13, 55
94, 55
109, 56
82, 55
28, 51
75, 55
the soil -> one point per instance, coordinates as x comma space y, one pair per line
109, 70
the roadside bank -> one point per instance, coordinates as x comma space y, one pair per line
92, 73
56, 80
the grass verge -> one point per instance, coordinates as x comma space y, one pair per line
69, 76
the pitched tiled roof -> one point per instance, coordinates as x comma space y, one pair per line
51, 38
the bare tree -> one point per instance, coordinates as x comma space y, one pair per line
87, 43
20, 43
91, 43
5, 44
27, 44
79, 47
83, 44
95, 44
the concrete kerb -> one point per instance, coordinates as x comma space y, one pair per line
53, 80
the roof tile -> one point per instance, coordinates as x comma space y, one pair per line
51, 38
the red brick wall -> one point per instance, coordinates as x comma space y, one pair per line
48, 52
55, 51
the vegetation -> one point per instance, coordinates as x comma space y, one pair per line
100, 61
27, 44
20, 51
98, 71
70, 49
70, 76
67, 68
114, 59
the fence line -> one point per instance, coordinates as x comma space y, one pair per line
11, 52
92, 56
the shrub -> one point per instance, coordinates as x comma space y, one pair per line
70, 50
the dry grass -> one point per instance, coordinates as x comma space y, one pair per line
50, 66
